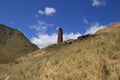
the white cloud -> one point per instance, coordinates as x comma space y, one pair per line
71, 36
48, 11
43, 40
98, 3
94, 28
85, 20
41, 26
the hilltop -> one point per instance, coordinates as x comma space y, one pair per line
96, 57
13, 44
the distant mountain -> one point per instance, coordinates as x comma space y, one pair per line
13, 44
90, 57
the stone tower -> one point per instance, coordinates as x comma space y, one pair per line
60, 35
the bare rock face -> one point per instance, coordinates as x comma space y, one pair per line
60, 36
13, 44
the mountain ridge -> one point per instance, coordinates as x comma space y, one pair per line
13, 42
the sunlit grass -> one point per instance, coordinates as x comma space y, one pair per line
95, 58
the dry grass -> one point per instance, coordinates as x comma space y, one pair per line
95, 58
13, 44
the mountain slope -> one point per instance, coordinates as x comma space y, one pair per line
94, 58
13, 44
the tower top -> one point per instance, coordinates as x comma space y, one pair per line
60, 28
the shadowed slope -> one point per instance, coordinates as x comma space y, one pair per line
13, 44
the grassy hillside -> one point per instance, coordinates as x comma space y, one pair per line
94, 58
13, 44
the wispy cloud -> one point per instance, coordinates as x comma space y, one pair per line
85, 20
43, 40
94, 28
98, 3
41, 26
48, 11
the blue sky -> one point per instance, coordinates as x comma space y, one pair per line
40, 19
